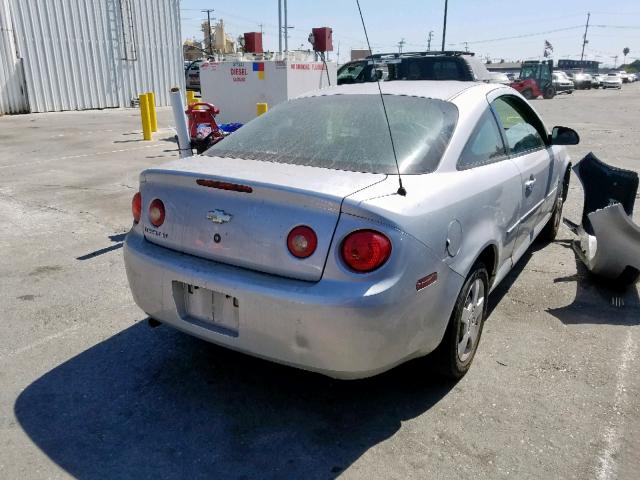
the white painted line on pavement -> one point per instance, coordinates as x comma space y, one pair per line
84, 155
42, 341
613, 433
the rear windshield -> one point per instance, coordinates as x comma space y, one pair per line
347, 132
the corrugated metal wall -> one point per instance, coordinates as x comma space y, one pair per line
84, 54
12, 88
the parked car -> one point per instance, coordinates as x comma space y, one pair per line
562, 83
357, 71
624, 76
192, 75
292, 241
612, 80
582, 81
596, 80
449, 65
502, 78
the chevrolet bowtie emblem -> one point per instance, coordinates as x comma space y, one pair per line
219, 216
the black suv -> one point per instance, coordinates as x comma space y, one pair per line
453, 65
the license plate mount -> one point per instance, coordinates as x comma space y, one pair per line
209, 309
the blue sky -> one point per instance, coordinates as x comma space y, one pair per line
481, 23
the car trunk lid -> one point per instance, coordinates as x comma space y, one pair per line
240, 212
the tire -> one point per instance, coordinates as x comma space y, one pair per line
454, 355
528, 94
550, 230
569, 92
549, 93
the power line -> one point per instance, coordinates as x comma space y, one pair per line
525, 35
632, 27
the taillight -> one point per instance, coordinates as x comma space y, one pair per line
156, 212
136, 207
302, 242
365, 250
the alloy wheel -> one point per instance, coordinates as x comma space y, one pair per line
471, 320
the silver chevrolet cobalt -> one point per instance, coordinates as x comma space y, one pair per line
292, 240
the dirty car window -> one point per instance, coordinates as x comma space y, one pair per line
348, 132
521, 135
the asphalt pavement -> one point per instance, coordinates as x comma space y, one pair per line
88, 390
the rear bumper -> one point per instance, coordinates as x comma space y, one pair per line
340, 329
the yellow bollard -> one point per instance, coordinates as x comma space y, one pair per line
261, 108
191, 97
145, 115
152, 111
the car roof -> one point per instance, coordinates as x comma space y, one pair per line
437, 89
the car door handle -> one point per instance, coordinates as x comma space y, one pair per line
528, 185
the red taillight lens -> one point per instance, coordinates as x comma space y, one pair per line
302, 242
136, 207
156, 212
365, 250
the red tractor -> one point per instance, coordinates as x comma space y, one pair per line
536, 80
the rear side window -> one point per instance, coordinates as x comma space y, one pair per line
485, 144
518, 123
446, 70
430, 68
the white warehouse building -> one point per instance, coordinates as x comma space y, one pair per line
60, 55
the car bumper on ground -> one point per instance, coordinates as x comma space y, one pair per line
343, 330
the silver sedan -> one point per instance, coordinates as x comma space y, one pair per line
291, 240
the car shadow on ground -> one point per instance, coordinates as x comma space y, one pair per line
160, 404
597, 301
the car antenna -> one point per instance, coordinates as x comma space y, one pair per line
401, 190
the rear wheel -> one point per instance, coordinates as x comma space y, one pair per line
549, 93
455, 354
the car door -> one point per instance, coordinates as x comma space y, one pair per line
525, 138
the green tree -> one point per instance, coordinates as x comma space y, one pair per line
625, 51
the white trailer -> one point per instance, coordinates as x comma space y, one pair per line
235, 87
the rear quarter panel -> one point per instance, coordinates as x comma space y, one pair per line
484, 200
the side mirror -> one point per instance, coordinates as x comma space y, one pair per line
564, 136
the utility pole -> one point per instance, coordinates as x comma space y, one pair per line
584, 40
444, 28
400, 45
466, 46
615, 61
286, 28
280, 26
429, 41
261, 25
209, 12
